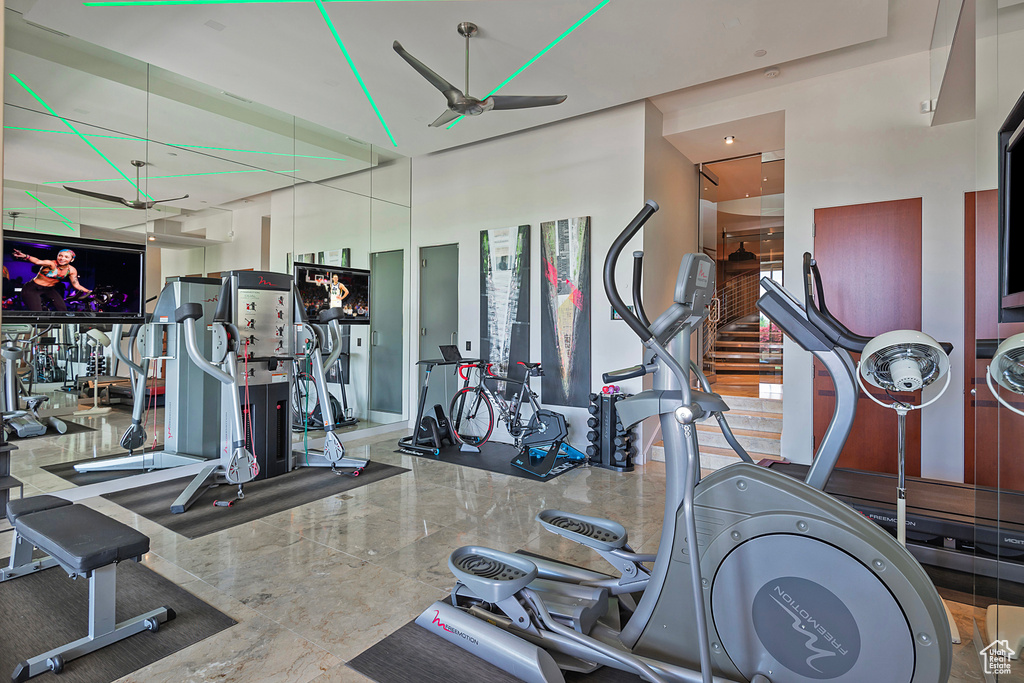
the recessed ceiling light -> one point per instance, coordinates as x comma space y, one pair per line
152, 238
761, 53
729, 139
215, 25
771, 72
172, 154
748, 195
765, 179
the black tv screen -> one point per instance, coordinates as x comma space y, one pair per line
323, 287
1011, 214
48, 279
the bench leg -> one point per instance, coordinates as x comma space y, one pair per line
21, 560
102, 629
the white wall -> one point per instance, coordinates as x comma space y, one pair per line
671, 180
853, 137
587, 166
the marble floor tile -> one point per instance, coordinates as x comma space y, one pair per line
341, 674
211, 554
255, 650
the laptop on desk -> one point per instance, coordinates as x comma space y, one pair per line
450, 353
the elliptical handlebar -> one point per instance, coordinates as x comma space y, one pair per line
638, 281
637, 325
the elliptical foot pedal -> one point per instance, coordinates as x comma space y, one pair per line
594, 532
491, 574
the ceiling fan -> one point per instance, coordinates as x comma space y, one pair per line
460, 103
137, 203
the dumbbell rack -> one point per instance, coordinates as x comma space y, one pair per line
611, 445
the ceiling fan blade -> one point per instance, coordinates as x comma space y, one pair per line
161, 201
98, 195
525, 101
447, 117
425, 71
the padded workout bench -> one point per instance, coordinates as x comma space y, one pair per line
84, 543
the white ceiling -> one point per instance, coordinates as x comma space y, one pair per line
283, 56
283, 59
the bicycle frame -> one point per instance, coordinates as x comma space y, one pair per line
509, 411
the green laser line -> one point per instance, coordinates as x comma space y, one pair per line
67, 221
355, 71
540, 54
164, 177
75, 130
173, 144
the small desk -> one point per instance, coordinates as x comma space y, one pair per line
428, 366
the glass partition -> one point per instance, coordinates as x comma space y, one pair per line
994, 427
264, 190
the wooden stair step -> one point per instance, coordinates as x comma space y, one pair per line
743, 344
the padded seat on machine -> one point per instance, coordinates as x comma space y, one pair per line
80, 538
26, 506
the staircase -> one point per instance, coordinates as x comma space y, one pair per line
739, 358
757, 424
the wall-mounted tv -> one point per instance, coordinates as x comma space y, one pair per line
50, 279
323, 287
1011, 215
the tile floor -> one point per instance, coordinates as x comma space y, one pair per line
314, 586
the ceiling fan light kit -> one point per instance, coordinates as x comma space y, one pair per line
461, 103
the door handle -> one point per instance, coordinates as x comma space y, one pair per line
454, 335
374, 336
423, 332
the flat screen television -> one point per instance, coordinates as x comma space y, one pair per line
1011, 215
323, 287
49, 279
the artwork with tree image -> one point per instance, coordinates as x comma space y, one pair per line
565, 311
505, 301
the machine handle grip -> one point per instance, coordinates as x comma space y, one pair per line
190, 311
609, 270
329, 314
638, 281
624, 373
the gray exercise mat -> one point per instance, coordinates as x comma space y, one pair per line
44, 610
262, 498
493, 457
413, 655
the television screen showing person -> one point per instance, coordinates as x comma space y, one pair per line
48, 284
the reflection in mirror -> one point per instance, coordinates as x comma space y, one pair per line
211, 183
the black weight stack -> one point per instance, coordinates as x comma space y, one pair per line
611, 446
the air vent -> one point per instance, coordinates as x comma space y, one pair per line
47, 29
235, 97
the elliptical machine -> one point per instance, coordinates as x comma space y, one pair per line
789, 585
311, 339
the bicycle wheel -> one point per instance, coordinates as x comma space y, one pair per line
471, 416
305, 403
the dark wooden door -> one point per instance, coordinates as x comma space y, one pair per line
869, 256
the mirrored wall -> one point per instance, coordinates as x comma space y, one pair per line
211, 182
